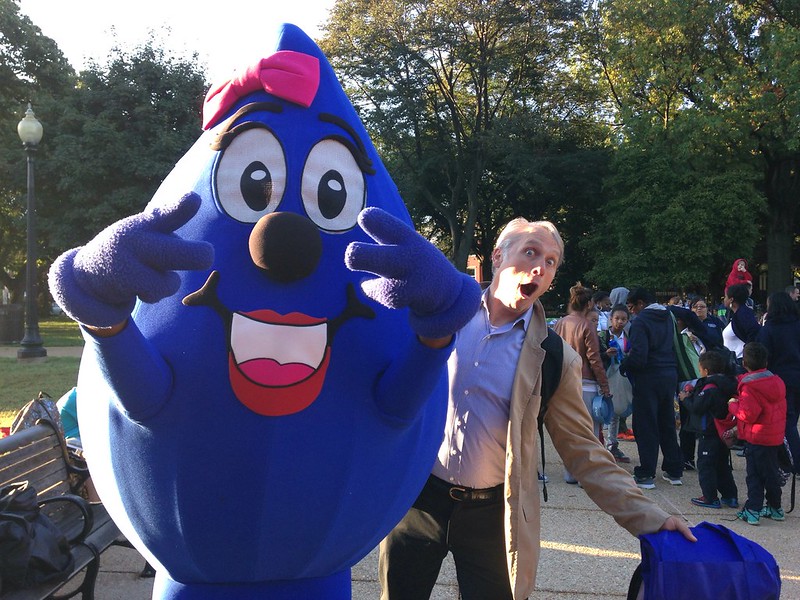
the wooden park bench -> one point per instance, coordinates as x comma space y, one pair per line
39, 456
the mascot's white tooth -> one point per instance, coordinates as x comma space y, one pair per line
285, 344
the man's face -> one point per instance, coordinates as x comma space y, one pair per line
525, 271
636, 307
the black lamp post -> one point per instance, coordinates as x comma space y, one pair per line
30, 132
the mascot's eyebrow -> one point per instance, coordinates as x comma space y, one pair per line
228, 132
360, 152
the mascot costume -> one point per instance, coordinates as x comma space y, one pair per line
258, 401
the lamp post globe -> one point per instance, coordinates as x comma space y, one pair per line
31, 349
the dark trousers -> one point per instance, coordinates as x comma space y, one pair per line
714, 468
412, 554
763, 479
654, 423
687, 439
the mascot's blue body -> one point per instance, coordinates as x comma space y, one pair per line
256, 400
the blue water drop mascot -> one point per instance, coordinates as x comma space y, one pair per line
263, 384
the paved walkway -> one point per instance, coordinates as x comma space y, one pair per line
584, 553
10, 351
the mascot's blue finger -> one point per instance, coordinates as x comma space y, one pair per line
391, 293
445, 323
169, 217
383, 227
385, 261
172, 253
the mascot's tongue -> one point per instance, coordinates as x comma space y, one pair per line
266, 371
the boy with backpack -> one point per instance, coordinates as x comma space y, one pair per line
704, 404
760, 411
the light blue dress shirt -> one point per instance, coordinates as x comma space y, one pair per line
481, 374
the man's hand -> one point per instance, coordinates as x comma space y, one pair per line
674, 523
97, 284
412, 273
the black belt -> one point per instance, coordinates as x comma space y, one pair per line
460, 493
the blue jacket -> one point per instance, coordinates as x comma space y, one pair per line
745, 324
651, 338
782, 339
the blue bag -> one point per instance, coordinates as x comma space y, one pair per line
721, 564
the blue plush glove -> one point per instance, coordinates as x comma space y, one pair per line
412, 272
97, 284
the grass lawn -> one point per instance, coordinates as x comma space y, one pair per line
20, 382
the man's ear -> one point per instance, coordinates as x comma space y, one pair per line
497, 257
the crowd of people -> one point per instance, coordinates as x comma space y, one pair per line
702, 383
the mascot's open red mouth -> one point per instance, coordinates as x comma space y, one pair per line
277, 363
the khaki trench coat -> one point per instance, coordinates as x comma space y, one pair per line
570, 428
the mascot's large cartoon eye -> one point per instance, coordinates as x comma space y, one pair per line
251, 175
333, 186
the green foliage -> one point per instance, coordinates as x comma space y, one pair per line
671, 225
441, 85
117, 136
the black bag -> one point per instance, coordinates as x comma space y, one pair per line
32, 549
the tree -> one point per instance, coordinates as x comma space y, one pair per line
116, 138
439, 84
32, 69
731, 70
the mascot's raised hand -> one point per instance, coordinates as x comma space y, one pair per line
412, 273
98, 284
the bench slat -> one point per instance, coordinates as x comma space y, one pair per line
37, 455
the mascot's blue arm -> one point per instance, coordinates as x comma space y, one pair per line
408, 383
133, 368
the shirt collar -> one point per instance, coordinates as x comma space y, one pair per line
524, 318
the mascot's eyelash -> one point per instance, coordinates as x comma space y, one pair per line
360, 152
227, 132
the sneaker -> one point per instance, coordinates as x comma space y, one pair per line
748, 516
543, 478
646, 483
730, 502
689, 466
776, 514
701, 501
672, 480
626, 436
619, 455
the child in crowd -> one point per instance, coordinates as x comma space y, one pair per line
613, 346
760, 411
739, 274
706, 402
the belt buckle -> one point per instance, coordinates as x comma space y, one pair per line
457, 489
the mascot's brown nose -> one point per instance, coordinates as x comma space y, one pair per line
286, 246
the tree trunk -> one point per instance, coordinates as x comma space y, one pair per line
783, 193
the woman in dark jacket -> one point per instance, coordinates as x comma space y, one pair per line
781, 335
712, 323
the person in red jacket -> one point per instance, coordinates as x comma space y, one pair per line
760, 411
739, 274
